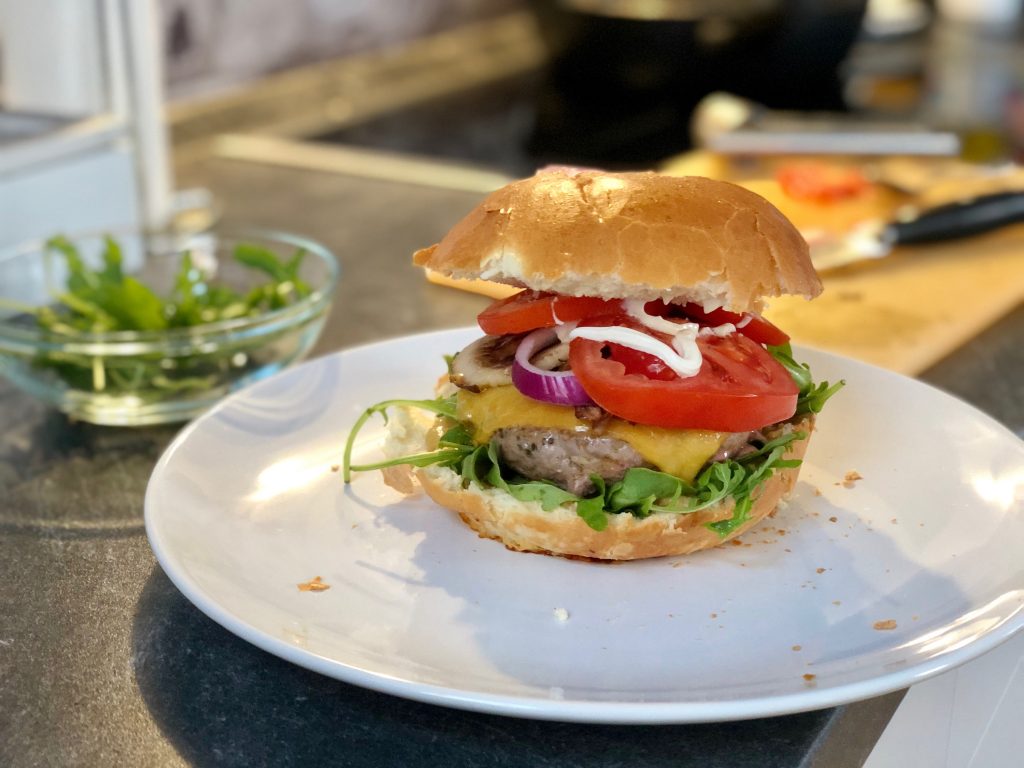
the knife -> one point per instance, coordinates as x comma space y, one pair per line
952, 221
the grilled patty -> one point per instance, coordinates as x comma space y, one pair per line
566, 459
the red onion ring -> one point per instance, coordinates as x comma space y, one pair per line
557, 387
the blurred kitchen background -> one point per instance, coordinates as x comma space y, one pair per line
109, 108
373, 125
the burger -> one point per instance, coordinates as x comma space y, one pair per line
629, 400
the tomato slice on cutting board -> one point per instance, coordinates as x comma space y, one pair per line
740, 386
529, 310
821, 182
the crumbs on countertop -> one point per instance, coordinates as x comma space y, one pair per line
316, 584
809, 677
833, 519
561, 614
797, 647
335, 467
885, 624
819, 570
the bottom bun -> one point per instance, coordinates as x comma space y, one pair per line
524, 525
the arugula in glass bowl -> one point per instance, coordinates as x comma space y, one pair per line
142, 329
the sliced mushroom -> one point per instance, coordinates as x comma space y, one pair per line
553, 358
487, 362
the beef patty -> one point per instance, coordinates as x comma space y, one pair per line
565, 458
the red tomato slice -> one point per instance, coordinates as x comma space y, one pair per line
758, 329
821, 182
740, 386
529, 310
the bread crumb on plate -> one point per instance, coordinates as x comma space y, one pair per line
316, 584
851, 478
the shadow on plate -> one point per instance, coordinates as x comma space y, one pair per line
844, 620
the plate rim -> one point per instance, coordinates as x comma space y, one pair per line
538, 707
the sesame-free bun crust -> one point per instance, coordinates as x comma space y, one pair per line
629, 235
526, 527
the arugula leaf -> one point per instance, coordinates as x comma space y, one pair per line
263, 259
641, 488
86, 315
284, 274
483, 467
800, 372
112, 259
740, 515
759, 467
444, 406
815, 398
80, 278
592, 509
456, 437
812, 397
134, 306
186, 297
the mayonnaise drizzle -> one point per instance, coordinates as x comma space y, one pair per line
635, 309
683, 356
718, 330
562, 330
688, 359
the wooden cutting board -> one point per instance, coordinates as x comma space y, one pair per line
912, 308
904, 312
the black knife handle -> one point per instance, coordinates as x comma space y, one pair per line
960, 219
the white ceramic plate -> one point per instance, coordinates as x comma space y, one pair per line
847, 593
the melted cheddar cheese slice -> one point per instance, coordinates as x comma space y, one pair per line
680, 452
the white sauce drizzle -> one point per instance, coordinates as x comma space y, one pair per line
562, 330
683, 356
685, 343
635, 309
718, 330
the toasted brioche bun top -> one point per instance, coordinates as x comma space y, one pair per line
630, 235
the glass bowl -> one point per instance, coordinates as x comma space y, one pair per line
128, 378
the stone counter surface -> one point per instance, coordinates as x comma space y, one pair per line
103, 662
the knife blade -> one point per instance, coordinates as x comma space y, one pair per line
876, 239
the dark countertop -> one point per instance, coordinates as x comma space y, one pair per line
104, 662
